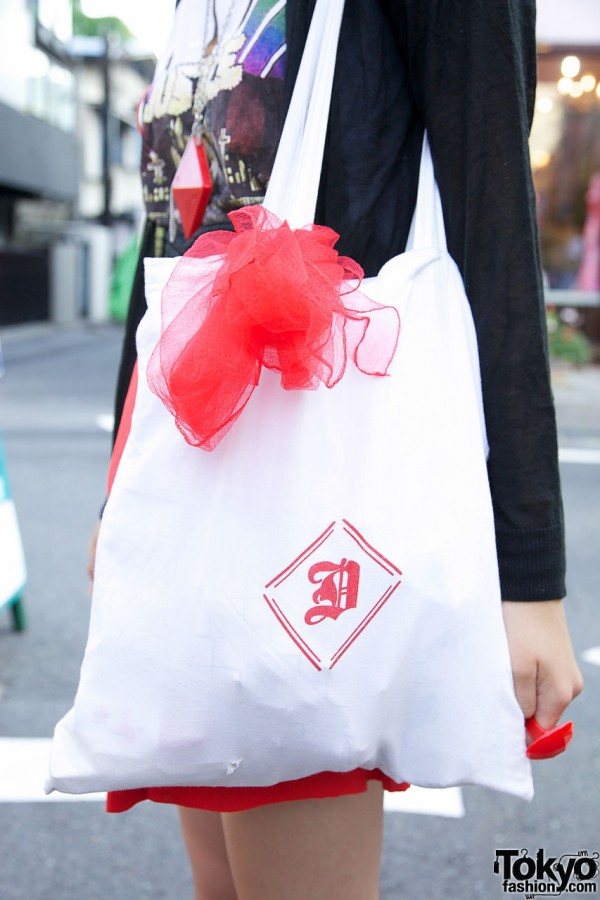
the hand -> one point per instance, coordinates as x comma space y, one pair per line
545, 672
92, 554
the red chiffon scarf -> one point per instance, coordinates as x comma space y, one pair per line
265, 295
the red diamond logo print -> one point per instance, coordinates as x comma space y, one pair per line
331, 592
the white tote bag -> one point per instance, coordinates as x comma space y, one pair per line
320, 592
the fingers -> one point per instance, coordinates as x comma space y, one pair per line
525, 682
545, 671
559, 681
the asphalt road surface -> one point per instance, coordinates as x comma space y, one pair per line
55, 404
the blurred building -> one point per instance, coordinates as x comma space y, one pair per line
39, 157
69, 152
565, 150
112, 75
70, 194
111, 80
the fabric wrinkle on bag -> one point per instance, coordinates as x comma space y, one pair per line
320, 592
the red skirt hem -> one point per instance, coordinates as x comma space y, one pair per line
237, 799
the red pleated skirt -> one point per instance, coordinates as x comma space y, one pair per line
237, 799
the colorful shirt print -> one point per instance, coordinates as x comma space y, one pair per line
263, 52
240, 88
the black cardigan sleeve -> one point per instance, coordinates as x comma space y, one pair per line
472, 70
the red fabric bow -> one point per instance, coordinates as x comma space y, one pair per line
265, 295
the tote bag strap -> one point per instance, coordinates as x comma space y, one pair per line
427, 227
294, 183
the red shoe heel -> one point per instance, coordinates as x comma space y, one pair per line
547, 744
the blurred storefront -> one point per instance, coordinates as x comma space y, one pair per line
38, 150
70, 193
69, 181
565, 154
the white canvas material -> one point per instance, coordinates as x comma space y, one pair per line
320, 592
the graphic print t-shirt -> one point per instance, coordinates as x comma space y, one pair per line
241, 89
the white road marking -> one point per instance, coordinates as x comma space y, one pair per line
581, 455
592, 656
446, 802
24, 766
106, 422
23, 770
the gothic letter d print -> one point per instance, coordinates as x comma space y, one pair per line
330, 593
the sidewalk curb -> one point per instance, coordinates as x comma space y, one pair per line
12, 334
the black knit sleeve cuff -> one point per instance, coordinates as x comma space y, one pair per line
532, 563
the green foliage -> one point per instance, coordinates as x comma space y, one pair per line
122, 280
101, 27
565, 338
